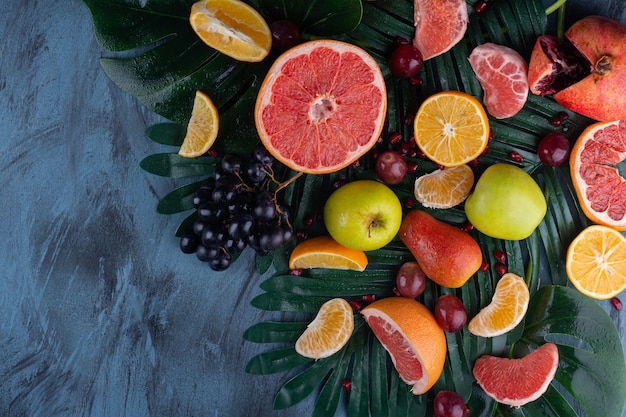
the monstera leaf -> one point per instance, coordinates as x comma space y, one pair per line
153, 54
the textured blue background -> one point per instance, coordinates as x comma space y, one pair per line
100, 314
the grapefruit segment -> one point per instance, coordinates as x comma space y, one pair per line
439, 25
321, 106
600, 188
412, 337
516, 382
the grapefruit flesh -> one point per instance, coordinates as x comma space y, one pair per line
321, 106
502, 72
599, 186
439, 25
516, 382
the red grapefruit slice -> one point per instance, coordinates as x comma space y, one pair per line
439, 25
502, 72
321, 106
600, 188
516, 382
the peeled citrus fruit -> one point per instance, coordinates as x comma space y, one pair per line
451, 128
325, 252
600, 188
516, 382
202, 128
329, 331
321, 106
232, 27
439, 25
444, 188
505, 311
596, 262
412, 337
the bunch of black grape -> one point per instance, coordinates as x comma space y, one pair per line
236, 208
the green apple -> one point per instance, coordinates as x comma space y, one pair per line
363, 215
507, 203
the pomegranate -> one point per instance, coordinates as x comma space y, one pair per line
585, 71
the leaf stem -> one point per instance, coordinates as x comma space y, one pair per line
558, 5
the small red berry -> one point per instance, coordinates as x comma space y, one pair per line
616, 303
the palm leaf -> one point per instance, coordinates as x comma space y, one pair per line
153, 55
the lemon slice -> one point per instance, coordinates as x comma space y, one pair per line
202, 128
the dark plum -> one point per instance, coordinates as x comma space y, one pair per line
553, 149
285, 34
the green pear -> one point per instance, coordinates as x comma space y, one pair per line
507, 203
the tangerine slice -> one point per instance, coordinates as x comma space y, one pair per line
202, 128
329, 331
451, 128
325, 252
516, 382
444, 188
232, 27
321, 106
439, 25
410, 334
506, 310
600, 188
596, 262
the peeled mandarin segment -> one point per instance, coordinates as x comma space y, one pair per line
328, 332
596, 262
451, 128
202, 128
232, 27
444, 188
325, 252
506, 309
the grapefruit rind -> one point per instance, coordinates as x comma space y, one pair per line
321, 106
600, 188
322, 338
508, 381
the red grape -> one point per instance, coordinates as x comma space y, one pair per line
405, 61
391, 167
450, 404
450, 313
285, 34
410, 280
553, 149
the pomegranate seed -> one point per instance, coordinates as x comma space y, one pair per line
515, 156
368, 298
413, 166
616, 303
380, 140
212, 153
346, 384
500, 268
295, 272
356, 163
399, 40
339, 183
490, 134
499, 255
356, 305
484, 267
416, 81
408, 119
396, 292
375, 153
484, 152
473, 163
440, 167
307, 221
301, 235
421, 155
394, 138
480, 6
404, 148
563, 116
467, 227
556, 121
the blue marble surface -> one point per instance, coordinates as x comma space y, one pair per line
101, 315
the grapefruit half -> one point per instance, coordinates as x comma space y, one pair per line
321, 106
516, 382
412, 337
600, 188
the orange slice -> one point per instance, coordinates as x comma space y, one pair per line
325, 252
321, 106
412, 337
506, 309
202, 128
596, 262
600, 187
232, 27
328, 332
451, 128
444, 188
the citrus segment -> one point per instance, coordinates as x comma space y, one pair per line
600, 188
451, 128
329, 331
232, 27
325, 252
412, 337
439, 25
321, 106
505, 311
516, 382
444, 188
202, 128
596, 262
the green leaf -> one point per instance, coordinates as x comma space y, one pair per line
274, 361
171, 134
178, 200
174, 166
274, 332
